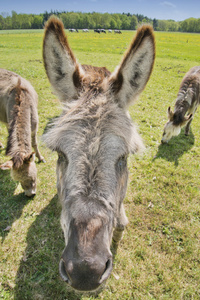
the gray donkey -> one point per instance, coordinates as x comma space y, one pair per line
18, 110
93, 138
187, 101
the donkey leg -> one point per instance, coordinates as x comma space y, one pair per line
119, 230
35, 147
192, 111
187, 127
117, 236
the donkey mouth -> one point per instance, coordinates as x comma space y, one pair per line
98, 287
29, 193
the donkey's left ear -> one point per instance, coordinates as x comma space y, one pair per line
132, 75
187, 119
62, 68
30, 158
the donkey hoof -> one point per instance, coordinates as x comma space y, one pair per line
42, 160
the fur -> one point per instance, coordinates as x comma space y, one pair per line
93, 137
18, 103
187, 101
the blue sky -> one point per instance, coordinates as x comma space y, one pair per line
177, 10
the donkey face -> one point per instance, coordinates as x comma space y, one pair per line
93, 137
174, 125
91, 183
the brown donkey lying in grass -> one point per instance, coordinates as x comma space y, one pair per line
187, 101
93, 138
18, 110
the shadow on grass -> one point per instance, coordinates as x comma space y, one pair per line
11, 206
38, 274
176, 147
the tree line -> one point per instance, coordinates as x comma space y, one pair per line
94, 20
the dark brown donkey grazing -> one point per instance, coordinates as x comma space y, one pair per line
93, 138
187, 101
18, 110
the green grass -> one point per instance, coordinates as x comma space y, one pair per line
159, 256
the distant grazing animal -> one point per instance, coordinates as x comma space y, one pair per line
110, 31
187, 101
117, 31
85, 30
93, 138
18, 110
99, 30
72, 30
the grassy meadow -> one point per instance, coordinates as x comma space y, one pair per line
159, 256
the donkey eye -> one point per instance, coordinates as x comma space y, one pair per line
122, 162
62, 157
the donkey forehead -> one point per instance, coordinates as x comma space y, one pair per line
73, 144
75, 138
94, 124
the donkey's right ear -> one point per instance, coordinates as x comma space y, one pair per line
64, 72
7, 165
170, 114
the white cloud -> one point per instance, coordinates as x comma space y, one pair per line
168, 4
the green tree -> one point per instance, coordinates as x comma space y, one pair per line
118, 21
105, 20
133, 22
15, 21
125, 22
25, 21
96, 17
65, 19
155, 24
172, 25
1, 22
8, 23
37, 22
113, 24
162, 25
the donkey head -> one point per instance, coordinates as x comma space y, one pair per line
23, 170
173, 127
93, 137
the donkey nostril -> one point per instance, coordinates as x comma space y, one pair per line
107, 270
63, 271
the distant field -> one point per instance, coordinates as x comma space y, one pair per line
159, 257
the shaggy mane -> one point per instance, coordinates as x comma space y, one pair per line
19, 137
94, 114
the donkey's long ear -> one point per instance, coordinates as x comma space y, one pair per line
130, 78
62, 69
170, 114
